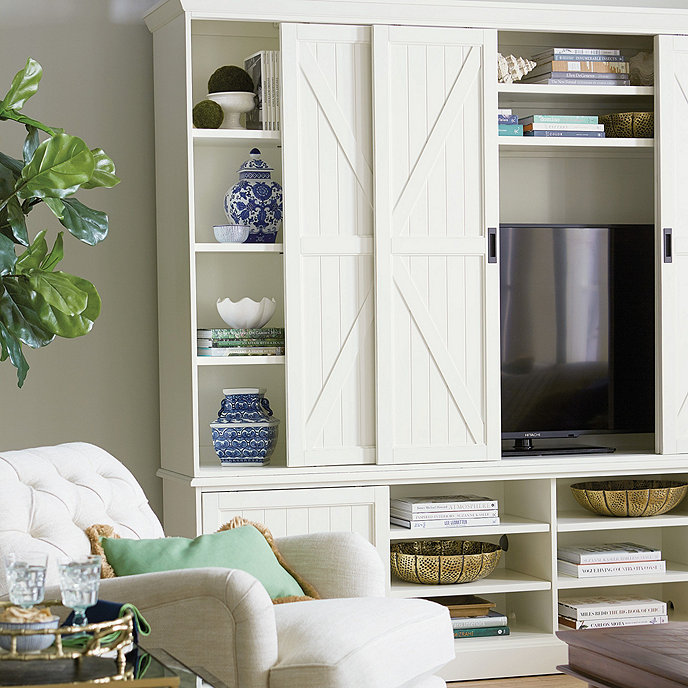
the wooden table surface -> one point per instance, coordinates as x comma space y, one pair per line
629, 657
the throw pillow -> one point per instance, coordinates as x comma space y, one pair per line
239, 544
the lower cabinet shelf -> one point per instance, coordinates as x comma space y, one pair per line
675, 573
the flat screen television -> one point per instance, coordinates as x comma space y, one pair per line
577, 333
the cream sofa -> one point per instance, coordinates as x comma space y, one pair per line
223, 619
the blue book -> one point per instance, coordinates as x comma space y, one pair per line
561, 134
559, 119
507, 119
510, 129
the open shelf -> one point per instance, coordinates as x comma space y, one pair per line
675, 573
209, 247
501, 580
547, 90
239, 360
509, 524
518, 635
573, 521
236, 136
518, 143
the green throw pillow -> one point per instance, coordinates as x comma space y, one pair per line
242, 548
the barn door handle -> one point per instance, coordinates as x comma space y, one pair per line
491, 244
667, 244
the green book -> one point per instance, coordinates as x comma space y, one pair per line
240, 342
481, 632
510, 129
559, 119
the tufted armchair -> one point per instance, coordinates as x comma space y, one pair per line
223, 619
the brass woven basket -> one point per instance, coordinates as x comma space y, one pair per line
622, 125
443, 562
630, 497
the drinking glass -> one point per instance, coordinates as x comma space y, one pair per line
79, 583
25, 573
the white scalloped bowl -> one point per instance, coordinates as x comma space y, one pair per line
246, 313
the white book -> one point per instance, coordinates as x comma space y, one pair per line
443, 523
438, 515
504, 111
612, 622
490, 620
444, 503
576, 51
608, 552
606, 606
551, 126
620, 568
269, 88
276, 70
254, 66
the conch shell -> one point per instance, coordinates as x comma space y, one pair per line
512, 68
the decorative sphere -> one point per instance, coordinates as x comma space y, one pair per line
208, 115
230, 78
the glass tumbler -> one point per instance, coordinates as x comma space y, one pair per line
79, 583
25, 573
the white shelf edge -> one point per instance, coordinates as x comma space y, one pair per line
509, 524
675, 573
518, 636
203, 361
235, 136
210, 247
571, 522
535, 143
551, 89
501, 580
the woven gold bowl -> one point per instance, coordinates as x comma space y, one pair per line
620, 125
442, 562
630, 497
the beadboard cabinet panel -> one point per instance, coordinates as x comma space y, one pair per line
436, 308
672, 321
328, 244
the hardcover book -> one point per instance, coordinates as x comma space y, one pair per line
464, 605
443, 523
612, 622
564, 134
507, 119
576, 51
206, 343
606, 553
490, 620
605, 606
620, 568
241, 333
437, 515
444, 503
559, 119
510, 129
580, 57
554, 126
481, 632
241, 351
579, 66
554, 81
254, 65
585, 76
503, 111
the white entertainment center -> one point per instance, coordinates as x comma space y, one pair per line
393, 175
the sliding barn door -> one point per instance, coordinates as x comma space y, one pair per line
437, 309
328, 237
671, 103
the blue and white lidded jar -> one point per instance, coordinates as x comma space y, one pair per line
256, 200
245, 432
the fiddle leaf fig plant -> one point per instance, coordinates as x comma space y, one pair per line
38, 302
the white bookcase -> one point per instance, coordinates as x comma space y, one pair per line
393, 173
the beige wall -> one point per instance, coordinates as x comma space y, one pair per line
97, 84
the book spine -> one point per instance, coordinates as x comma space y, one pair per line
614, 622
480, 632
618, 569
589, 76
507, 119
605, 611
419, 507
596, 82
479, 621
608, 557
239, 333
582, 57
439, 515
588, 66
241, 351
503, 111
554, 126
564, 134
510, 129
560, 119
446, 523
577, 51
229, 343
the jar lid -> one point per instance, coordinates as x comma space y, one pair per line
255, 163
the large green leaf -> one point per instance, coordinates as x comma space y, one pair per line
7, 255
31, 142
24, 85
91, 226
56, 205
11, 346
58, 167
17, 220
12, 164
23, 311
55, 255
34, 254
92, 310
104, 172
59, 291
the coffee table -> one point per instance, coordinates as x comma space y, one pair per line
629, 657
162, 670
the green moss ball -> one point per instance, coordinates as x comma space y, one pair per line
208, 115
230, 78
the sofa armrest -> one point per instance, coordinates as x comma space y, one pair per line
336, 564
216, 618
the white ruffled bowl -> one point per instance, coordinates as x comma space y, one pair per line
246, 313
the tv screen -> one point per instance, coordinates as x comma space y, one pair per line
577, 330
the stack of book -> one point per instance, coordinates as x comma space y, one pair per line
601, 611
583, 126
609, 559
507, 123
264, 69
266, 341
577, 66
452, 511
471, 616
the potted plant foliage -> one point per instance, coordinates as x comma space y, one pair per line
37, 301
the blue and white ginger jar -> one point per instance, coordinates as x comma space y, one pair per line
245, 432
256, 200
